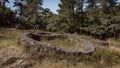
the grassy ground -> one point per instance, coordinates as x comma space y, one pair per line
64, 43
101, 58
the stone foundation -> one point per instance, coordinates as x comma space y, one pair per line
31, 42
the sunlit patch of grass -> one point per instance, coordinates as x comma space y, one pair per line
112, 57
53, 63
102, 57
64, 43
7, 42
113, 40
9, 38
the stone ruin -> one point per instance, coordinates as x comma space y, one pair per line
31, 42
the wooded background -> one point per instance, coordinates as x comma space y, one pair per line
99, 18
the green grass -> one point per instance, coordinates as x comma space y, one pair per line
7, 42
64, 43
8, 38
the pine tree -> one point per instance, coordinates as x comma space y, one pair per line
29, 10
71, 10
29, 7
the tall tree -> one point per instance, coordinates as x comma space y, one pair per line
108, 6
71, 10
104, 7
28, 7
29, 10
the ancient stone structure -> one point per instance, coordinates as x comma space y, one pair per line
31, 41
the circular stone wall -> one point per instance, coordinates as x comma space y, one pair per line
34, 47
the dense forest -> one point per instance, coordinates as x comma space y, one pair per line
98, 18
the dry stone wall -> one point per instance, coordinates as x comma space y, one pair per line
30, 41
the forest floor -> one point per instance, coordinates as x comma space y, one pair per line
12, 55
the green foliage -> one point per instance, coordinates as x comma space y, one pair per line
57, 23
23, 25
111, 58
72, 12
98, 19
